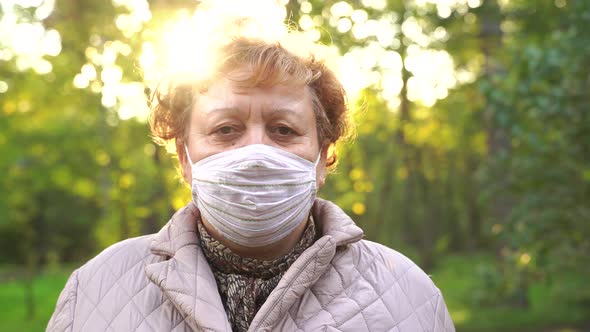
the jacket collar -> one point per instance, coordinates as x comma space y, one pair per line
337, 230
186, 278
179, 232
188, 281
335, 223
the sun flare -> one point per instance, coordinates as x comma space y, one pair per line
186, 44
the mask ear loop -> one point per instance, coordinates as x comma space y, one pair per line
187, 154
317, 161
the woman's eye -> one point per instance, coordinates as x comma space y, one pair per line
225, 130
284, 131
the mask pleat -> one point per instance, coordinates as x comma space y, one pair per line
254, 195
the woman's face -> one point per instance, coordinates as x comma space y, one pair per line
229, 116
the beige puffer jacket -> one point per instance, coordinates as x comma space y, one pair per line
162, 282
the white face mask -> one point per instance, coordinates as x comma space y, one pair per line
254, 195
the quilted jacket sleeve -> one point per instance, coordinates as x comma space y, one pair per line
442, 318
415, 290
63, 316
427, 303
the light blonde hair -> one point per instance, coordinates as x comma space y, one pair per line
270, 64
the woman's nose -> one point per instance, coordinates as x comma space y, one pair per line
257, 135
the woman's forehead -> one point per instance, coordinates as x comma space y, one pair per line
258, 75
226, 86
226, 94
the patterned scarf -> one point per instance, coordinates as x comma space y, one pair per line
245, 283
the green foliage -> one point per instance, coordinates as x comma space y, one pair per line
46, 289
77, 178
465, 280
540, 105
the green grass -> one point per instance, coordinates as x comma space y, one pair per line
46, 289
456, 276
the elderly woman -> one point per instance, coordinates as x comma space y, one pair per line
255, 249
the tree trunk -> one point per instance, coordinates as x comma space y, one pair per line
456, 235
498, 141
151, 224
428, 223
473, 213
407, 213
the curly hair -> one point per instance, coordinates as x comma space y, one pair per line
269, 64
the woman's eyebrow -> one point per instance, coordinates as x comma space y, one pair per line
277, 112
221, 110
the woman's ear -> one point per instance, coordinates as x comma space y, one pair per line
321, 168
185, 166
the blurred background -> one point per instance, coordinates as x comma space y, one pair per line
471, 152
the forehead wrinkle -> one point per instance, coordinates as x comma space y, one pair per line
287, 112
220, 110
